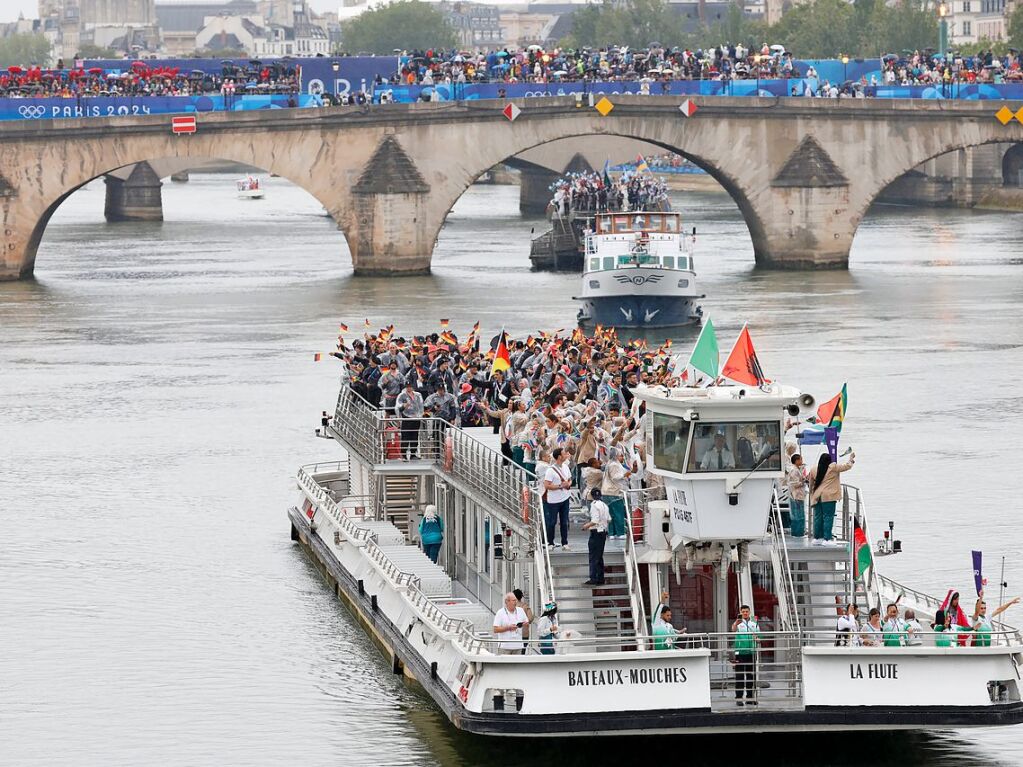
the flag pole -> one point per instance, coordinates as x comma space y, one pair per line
1001, 583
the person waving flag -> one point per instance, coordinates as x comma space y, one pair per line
502, 359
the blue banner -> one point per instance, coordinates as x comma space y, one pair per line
790, 87
316, 74
126, 106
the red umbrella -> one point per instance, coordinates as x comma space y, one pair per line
15, 70
138, 65
96, 70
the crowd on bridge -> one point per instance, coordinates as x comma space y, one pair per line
609, 64
592, 192
142, 79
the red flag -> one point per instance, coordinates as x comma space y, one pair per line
742, 364
316, 357
827, 410
344, 328
444, 323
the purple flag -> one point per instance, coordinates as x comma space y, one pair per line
978, 579
831, 438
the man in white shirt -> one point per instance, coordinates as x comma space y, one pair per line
508, 623
556, 484
718, 457
600, 517
849, 627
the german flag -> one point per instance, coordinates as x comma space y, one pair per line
444, 323
344, 328
367, 322
448, 338
502, 359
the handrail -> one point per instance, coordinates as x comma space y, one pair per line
542, 555
791, 611
921, 598
1006, 638
318, 496
632, 582
870, 585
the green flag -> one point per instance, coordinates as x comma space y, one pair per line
705, 356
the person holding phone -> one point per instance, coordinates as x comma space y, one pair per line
508, 623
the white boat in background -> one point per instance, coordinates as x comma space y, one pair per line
638, 272
249, 188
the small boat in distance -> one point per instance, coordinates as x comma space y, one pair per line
638, 272
249, 188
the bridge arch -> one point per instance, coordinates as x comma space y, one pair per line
1012, 166
51, 190
471, 173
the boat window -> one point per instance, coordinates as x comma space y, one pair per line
609, 262
621, 223
669, 262
486, 543
595, 284
683, 262
683, 283
655, 221
594, 264
671, 223
735, 447
605, 224
670, 436
639, 222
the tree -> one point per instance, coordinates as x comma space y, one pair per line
407, 24
1015, 27
90, 51
24, 50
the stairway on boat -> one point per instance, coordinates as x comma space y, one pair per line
434, 582
601, 611
820, 580
400, 499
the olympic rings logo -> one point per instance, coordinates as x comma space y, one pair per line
32, 112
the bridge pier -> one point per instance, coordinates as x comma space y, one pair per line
535, 189
136, 198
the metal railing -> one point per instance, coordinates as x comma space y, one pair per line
640, 499
633, 583
853, 512
780, 553
1009, 638
320, 497
377, 438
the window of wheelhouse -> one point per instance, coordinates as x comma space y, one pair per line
671, 433
731, 446
605, 224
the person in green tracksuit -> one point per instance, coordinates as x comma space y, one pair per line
893, 630
982, 621
747, 631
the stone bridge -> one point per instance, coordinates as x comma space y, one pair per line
802, 171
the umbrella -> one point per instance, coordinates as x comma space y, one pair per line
535, 47
889, 57
15, 70
92, 71
138, 65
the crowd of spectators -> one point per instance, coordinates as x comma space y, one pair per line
142, 78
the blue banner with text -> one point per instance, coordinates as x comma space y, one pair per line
126, 106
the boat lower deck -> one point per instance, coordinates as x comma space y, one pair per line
776, 709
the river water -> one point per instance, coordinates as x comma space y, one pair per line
158, 392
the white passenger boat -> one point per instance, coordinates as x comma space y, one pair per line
713, 536
249, 188
638, 272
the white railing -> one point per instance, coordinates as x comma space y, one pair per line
633, 583
542, 555
780, 550
1011, 638
853, 510
320, 498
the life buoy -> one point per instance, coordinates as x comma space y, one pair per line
449, 453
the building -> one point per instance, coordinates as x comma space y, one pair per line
230, 33
477, 25
963, 20
991, 20
181, 23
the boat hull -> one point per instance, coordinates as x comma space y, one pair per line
639, 311
251, 194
